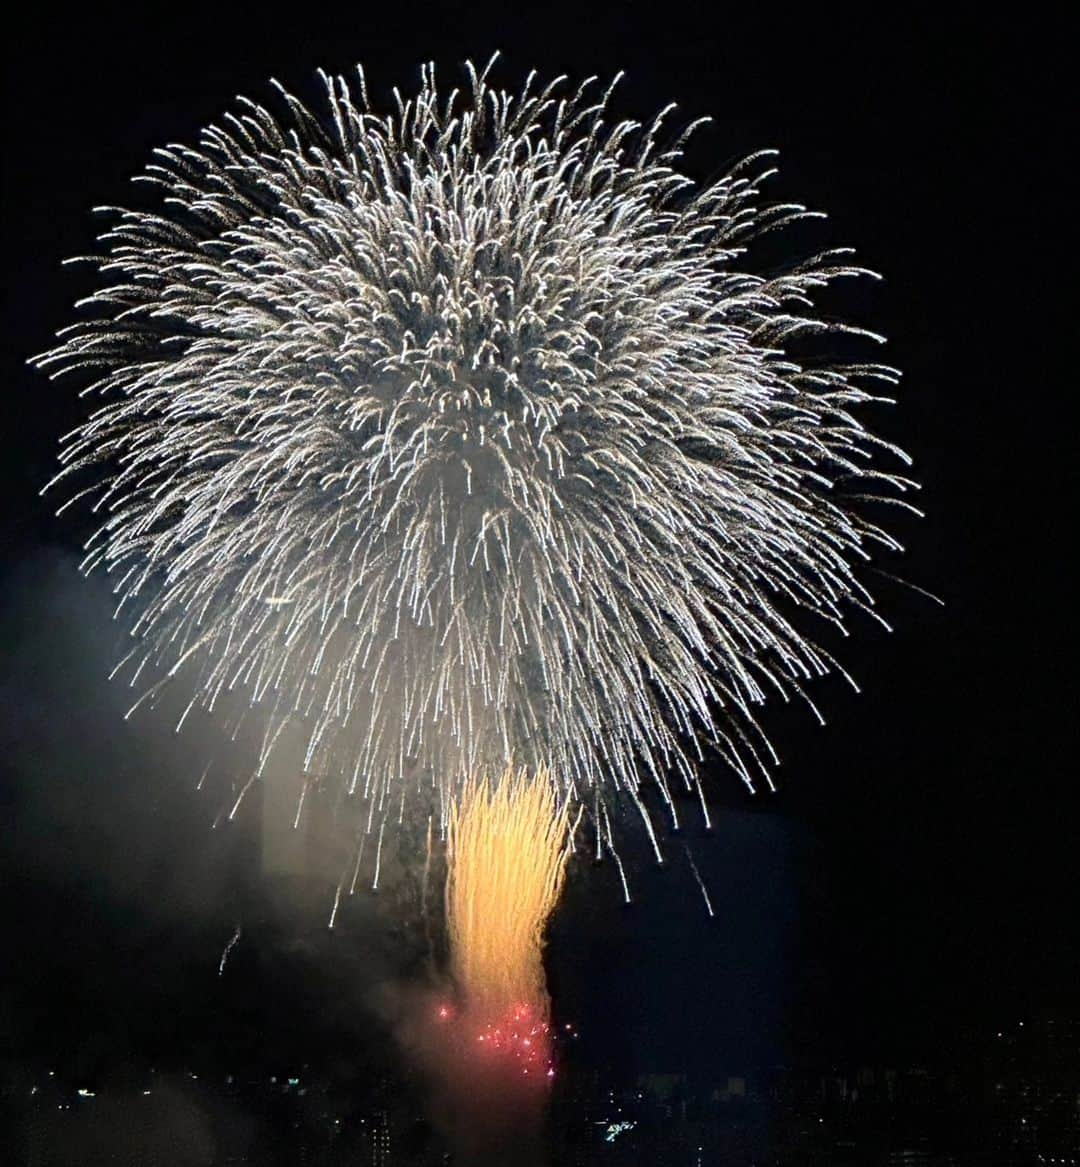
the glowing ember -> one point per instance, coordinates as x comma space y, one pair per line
522, 1039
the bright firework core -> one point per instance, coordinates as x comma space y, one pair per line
507, 854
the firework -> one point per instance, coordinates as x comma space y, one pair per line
507, 853
468, 434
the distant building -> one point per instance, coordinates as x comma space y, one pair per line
380, 1139
1034, 1102
920, 1158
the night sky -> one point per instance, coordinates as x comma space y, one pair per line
913, 879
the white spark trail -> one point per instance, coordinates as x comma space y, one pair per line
356, 867
378, 857
700, 883
228, 948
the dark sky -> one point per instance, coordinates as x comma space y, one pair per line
915, 875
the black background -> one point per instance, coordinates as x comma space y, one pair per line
913, 881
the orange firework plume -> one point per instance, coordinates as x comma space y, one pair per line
507, 862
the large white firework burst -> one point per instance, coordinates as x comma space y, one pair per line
464, 435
